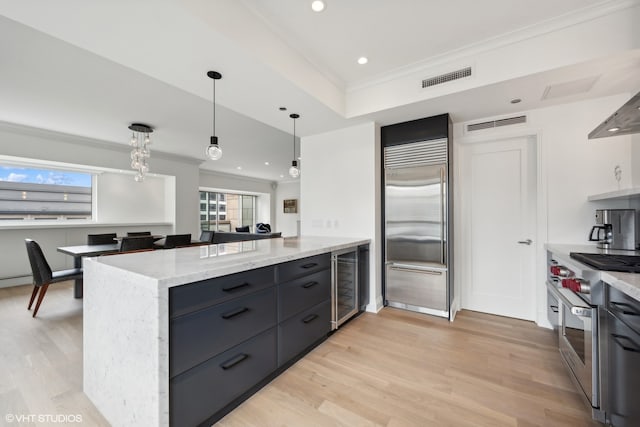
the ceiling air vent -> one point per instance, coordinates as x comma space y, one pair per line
443, 78
497, 123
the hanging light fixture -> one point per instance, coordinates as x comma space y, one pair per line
140, 153
293, 170
213, 150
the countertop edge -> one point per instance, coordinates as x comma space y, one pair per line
229, 265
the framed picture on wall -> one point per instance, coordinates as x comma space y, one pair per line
291, 206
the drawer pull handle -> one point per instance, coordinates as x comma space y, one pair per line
234, 313
310, 318
235, 287
309, 285
618, 339
554, 308
625, 308
310, 265
234, 361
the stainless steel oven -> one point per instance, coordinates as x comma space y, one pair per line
579, 293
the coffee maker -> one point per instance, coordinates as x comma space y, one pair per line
615, 229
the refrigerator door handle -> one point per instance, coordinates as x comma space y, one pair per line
416, 270
442, 213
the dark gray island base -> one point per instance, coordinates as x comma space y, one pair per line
231, 335
180, 337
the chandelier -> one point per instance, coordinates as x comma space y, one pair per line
140, 153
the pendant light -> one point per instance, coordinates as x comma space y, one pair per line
293, 170
213, 150
140, 152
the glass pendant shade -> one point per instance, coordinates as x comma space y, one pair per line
294, 172
213, 151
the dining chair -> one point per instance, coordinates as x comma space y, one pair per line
138, 233
244, 229
176, 240
132, 243
42, 274
206, 236
101, 239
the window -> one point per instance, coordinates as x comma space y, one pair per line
31, 193
226, 211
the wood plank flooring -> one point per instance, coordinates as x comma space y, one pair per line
393, 369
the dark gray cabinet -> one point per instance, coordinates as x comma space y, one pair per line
198, 336
302, 330
302, 293
231, 334
302, 267
196, 296
200, 392
623, 358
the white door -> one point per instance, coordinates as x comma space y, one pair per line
498, 207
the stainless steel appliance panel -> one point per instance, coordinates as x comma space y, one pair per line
416, 214
344, 287
419, 286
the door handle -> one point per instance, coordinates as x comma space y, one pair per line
525, 242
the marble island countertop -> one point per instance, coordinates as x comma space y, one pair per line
174, 267
629, 283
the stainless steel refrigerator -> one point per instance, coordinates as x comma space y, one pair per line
417, 250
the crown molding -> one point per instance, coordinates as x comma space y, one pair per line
84, 141
589, 13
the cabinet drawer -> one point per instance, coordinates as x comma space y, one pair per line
623, 375
198, 336
301, 267
196, 296
302, 330
202, 391
302, 293
624, 307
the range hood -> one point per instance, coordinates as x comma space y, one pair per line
623, 122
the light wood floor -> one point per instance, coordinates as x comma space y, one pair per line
392, 369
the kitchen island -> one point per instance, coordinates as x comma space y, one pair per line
163, 330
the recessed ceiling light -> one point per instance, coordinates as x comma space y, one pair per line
516, 100
239, 168
363, 60
614, 129
266, 163
281, 176
317, 6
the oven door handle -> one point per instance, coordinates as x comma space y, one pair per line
575, 304
569, 299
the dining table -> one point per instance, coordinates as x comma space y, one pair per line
80, 251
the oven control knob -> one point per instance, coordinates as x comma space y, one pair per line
576, 285
560, 271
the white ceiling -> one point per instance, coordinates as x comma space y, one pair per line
91, 68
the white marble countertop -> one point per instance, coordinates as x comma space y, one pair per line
174, 267
629, 283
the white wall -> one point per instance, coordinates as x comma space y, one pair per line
570, 168
346, 200
287, 222
121, 200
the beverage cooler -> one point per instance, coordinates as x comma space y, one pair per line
344, 286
